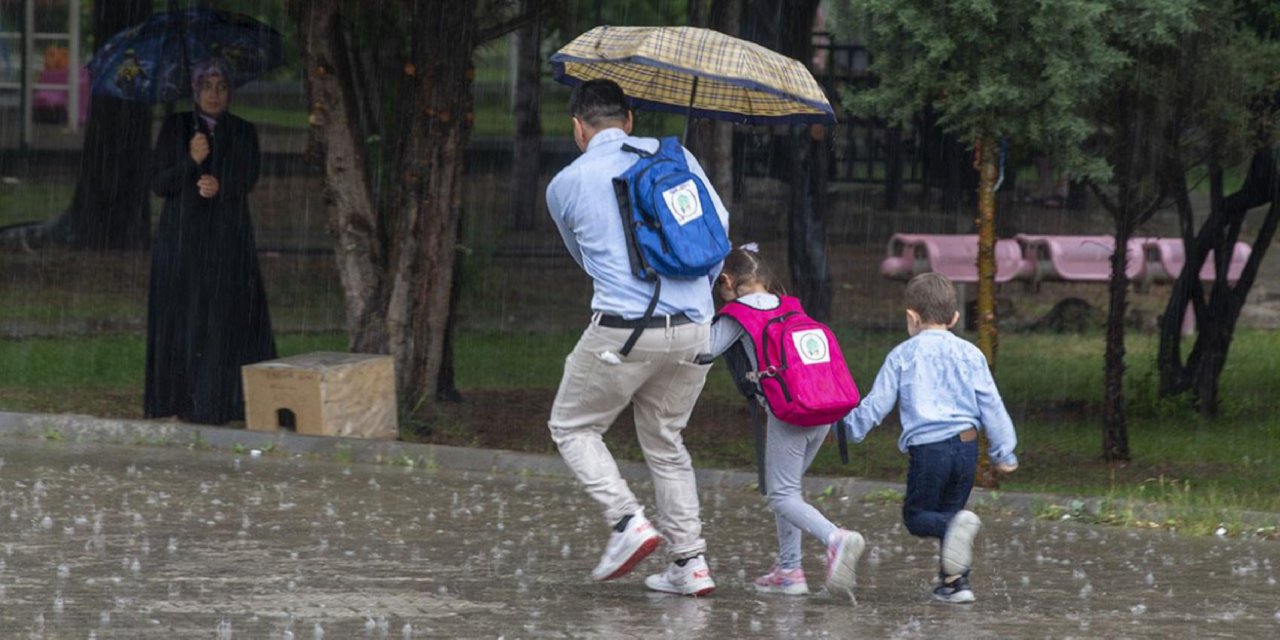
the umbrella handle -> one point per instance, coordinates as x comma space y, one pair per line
693, 92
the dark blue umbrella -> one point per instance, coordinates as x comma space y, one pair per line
151, 61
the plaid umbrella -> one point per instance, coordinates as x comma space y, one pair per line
695, 71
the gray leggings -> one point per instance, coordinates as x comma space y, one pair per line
789, 451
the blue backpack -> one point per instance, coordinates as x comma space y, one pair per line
671, 224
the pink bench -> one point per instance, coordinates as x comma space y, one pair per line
1165, 257
1035, 258
955, 256
1079, 258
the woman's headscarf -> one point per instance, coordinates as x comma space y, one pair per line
205, 69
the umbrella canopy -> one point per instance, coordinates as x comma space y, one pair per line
697, 71
151, 61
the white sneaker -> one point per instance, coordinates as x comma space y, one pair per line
842, 560
693, 579
627, 548
957, 543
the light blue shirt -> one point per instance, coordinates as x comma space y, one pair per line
942, 386
584, 207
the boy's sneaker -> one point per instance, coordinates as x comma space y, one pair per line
693, 579
627, 548
957, 543
789, 582
842, 560
956, 592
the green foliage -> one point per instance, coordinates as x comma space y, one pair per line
1022, 70
1017, 69
570, 18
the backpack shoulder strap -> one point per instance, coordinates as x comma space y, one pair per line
753, 320
645, 153
637, 150
789, 304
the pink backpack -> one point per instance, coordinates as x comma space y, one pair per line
802, 373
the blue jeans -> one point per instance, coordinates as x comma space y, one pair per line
939, 480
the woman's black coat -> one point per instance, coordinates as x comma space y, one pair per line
207, 309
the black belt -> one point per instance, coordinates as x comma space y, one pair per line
618, 322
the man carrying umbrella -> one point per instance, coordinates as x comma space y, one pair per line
658, 376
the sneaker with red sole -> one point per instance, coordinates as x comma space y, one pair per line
627, 548
789, 582
692, 579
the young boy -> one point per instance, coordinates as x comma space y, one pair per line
945, 393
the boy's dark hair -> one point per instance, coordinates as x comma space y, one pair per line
598, 101
745, 266
933, 297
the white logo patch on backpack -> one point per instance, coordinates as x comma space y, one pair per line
683, 202
812, 346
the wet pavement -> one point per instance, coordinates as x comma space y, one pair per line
111, 541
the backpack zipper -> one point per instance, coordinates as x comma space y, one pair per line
764, 339
654, 223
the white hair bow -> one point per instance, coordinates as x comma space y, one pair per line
750, 246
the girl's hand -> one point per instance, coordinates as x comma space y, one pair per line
1006, 468
208, 186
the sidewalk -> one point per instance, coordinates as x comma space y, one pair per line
192, 535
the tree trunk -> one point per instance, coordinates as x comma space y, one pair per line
787, 27
526, 164
1115, 431
447, 381
988, 172
807, 237
1185, 294
329, 82
726, 17
431, 168
1216, 318
109, 208
893, 168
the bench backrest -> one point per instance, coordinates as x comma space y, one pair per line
1080, 258
1167, 257
952, 255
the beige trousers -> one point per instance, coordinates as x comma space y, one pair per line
661, 382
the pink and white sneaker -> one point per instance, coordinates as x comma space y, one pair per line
789, 582
842, 560
627, 548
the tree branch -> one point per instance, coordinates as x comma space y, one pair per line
515, 23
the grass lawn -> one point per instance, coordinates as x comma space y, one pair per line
1206, 474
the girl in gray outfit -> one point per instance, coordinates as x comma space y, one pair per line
790, 449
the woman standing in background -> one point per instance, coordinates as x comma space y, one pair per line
207, 309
